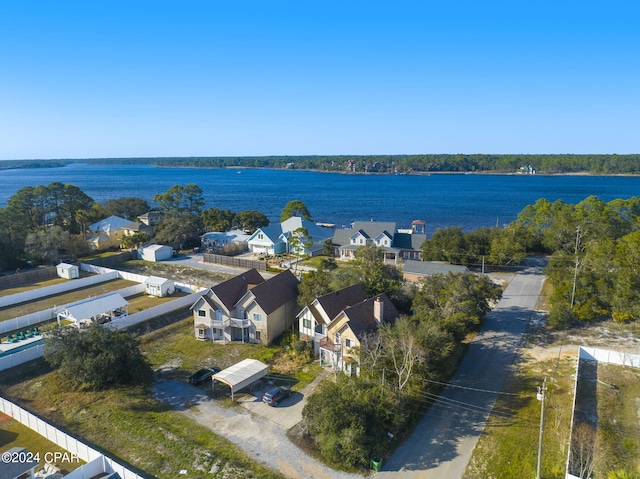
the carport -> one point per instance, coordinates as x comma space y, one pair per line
242, 374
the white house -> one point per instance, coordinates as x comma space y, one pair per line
276, 239
68, 271
160, 287
155, 252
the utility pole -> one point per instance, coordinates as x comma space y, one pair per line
575, 270
541, 397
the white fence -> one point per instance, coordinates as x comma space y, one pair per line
96, 461
131, 319
601, 356
50, 313
55, 289
15, 359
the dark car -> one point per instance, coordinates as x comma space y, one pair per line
201, 376
274, 395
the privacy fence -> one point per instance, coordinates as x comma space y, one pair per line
97, 463
235, 262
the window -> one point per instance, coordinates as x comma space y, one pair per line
258, 336
201, 333
257, 317
202, 313
306, 323
361, 241
336, 338
348, 343
260, 236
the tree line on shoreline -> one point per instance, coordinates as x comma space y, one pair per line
598, 164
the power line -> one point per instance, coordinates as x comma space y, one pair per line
476, 389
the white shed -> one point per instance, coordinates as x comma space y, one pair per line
160, 287
155, 252
69, 271
242, 374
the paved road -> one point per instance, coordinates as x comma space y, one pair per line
442, 443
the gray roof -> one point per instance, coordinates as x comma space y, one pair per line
112, 223
370, 229
13, 469
429, 268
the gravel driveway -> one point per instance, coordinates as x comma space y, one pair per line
262, 439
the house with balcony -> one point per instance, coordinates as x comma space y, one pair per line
247, 308
214, 310
314, 318
276, 239
397, 244
345, 333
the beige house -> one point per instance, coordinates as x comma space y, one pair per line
345, 332
247, 308
214, 314
314, 318
107, 232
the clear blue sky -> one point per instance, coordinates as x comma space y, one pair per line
235, 78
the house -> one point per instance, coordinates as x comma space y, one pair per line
155, 252
137, 227
150, 218
160, 287
314, 318
347, 330
270, 307
20, 464
216, 240
109, 231
414, 271
247, 308
68, 271
212, 313
276, 239
397, 245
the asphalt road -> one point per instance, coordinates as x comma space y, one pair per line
442, 443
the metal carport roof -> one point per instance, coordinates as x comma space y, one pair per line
242, 374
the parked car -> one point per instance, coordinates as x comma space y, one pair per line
274, 395
202, 375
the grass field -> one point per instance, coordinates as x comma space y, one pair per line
30, 286
129, 424
60, 299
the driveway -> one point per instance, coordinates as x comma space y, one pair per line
442, 443
263, 439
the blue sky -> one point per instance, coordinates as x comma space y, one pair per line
211, 78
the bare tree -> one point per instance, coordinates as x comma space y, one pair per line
404, 350
583, 450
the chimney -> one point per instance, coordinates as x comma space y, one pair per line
378, 310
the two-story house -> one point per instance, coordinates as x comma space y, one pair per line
213, 312
276, 239
340, 349
314, 318
397, 244
247, 308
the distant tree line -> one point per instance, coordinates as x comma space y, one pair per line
419, 163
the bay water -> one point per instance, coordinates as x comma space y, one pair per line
467, 200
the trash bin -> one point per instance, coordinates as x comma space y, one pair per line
376, 463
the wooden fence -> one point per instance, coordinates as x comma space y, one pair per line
32, 276
234, 261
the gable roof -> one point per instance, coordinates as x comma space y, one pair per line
229, 292
272, 232
369, 229
276, 291
409, 240
112, 223
360, 316
89, 308
336, 301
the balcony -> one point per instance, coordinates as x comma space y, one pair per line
326, 343
239, 323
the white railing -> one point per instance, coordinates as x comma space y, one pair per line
67, 442
55, 289
239, 323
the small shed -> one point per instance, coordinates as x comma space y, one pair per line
155, 252
98, 310
242, 374
68, 271
160, 287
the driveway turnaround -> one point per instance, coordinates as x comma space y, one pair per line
442, 443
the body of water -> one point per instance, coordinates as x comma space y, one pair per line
470, 201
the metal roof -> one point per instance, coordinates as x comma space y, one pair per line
242, 374
93, 307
